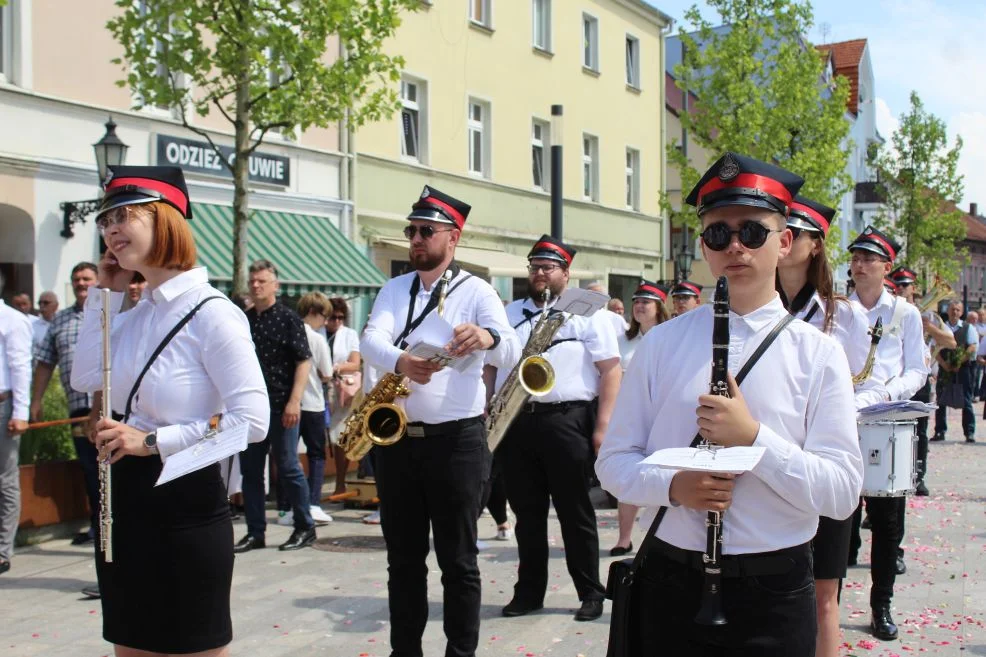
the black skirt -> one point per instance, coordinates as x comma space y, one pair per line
167, 589
831, 546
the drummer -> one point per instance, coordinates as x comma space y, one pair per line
900, 365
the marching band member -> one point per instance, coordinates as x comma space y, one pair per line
797, 404
900, 365
648, 311
548, 450
686, 296
805, 285
433, 478
167, 589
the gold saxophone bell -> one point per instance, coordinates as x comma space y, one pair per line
385, 424
536, 376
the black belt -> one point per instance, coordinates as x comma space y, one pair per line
422, 430
554, 407
4, 396
738, 565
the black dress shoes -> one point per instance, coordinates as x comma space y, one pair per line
82, 538
590, 610
921, 489
517, 607
883, 626
4, 566
299, 538
866, 524
937, 438
620, 551
247, 543
970, 439
92, 591
900, 567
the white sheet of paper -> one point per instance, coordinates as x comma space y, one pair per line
733, 460
224, 444
433, 330
437, 353
580, 302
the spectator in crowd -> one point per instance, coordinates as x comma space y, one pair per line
346, 380
47, 306
136, 287
616, 305
15, 386
22, 302
956, 365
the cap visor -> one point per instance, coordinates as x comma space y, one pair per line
547, 255
868, 246
430, 215
122, 199
802, 224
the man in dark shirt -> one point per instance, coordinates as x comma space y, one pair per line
282, 348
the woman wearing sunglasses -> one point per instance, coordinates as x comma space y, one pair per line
804, 281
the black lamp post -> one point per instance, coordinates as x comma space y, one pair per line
683, 260
110, 151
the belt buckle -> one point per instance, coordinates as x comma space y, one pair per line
530, 407
415, 431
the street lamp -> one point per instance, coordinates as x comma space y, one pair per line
110, 152
683, 260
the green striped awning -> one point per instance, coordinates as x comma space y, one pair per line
309, 252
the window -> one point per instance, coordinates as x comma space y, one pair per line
590, 167
633, 179
413, 123
541, 21
540, 147
590, 42
480, 12
277, 72
160, 46
478, 125
6, 43
633, 62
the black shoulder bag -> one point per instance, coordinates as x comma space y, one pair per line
623, 631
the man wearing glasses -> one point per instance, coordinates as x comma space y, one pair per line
686, 296
549, 449
796, 403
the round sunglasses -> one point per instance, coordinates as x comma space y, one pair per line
426, 231
752, 235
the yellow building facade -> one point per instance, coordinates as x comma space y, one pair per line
479, 82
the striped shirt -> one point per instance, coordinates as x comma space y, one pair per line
58, 349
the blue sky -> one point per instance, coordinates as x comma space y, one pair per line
935, 47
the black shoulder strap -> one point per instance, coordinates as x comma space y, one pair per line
157, 352
410, 324
811, 313
651, 534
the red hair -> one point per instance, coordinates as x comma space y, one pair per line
173, 246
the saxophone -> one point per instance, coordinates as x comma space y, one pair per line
533, 376
875, 334
377, 420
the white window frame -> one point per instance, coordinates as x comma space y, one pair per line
632, 179
590, 60
590, 167
158, 110
7, 43
419, 105
485, 17
480, 127
544, 143
541, 34
274, 75
632, 47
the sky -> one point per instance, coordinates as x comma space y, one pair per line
934, 47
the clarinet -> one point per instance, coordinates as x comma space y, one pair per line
710, 610
105, 474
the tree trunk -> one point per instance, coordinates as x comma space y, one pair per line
241, 179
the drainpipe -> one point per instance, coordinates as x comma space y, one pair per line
347, 169
665, 224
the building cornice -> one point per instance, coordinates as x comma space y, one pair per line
645, 10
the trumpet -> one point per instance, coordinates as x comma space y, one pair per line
105, 473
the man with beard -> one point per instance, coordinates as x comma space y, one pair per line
434, 477
548, 452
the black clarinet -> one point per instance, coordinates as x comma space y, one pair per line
710, 611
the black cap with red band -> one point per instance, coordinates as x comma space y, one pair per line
551, 248
687, 289
741, 180
136, 185
904, 276
648, 290
874, 241
811, 216
434, 205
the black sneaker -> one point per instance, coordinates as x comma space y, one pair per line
970, 439
937, 438
920, 489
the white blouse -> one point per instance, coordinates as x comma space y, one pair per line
627, 348
210, 366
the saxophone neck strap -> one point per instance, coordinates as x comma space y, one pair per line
411, 322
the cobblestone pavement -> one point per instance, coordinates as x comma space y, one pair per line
332, 600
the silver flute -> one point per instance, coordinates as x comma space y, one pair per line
105, 475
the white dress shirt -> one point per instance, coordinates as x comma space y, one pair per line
39, 329
312, 398
627, 348
851, 330
450, 395
15, 359
900, 364
588, 340
616, 320
209, 367
345, 342
801, 393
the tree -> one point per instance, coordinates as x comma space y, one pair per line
761, 91
260, 64
919, 185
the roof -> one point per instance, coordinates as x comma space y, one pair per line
846, 58
975, 229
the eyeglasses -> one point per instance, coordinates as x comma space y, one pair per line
547, 269
426, 231
119, 216
752, 235
44, 302
335, 318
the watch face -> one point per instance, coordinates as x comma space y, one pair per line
150, 440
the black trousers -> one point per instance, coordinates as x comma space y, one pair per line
546, 458
768, 615
965, 377
887, 525
923, 395
495, 493
88, 457
435, 482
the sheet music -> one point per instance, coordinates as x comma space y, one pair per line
905, 409
732, 460
429, 339
222, 445
580, 302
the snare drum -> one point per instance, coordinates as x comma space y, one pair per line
889, 457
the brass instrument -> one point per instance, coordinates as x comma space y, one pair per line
377, 420
105, 474
928, 306
533, 376
875, 334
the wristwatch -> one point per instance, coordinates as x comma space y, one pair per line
496, 338
150, 442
